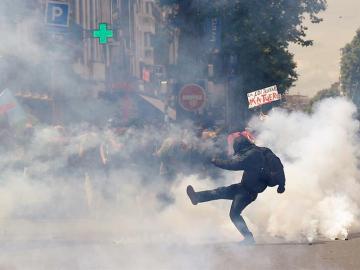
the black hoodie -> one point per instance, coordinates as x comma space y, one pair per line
248, 158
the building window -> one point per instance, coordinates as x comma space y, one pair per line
148, 53
147, 39
148, 8
138, 6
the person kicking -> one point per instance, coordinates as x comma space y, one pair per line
262, 168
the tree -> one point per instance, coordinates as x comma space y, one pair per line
255, 39
332, 91
350, 69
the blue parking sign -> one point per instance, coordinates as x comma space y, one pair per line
57, 13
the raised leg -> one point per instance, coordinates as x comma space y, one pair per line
225, 193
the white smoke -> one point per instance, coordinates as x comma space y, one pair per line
41, 198
319, 152
320, 156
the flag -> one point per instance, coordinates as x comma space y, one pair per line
11, 109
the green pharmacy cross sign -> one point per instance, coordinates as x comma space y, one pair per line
103, 33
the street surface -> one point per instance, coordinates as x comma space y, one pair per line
74, 245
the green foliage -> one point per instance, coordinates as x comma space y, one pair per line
257, 28
333, 91
256, 33
259, 33
350, 69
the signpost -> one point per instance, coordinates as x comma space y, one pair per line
192, 97
213, 34
57, 14
263, 96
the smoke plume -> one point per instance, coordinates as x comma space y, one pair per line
320, 156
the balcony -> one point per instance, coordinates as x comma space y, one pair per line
148, 24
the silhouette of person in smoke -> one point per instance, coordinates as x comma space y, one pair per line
262, 168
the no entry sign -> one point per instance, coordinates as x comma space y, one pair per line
192, 97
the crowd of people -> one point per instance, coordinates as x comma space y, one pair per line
94, 153
100, 157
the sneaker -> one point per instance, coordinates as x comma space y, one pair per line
192, 194
248, 241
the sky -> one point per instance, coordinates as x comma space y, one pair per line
319, 66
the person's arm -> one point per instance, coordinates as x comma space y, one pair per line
281, 179
234, 164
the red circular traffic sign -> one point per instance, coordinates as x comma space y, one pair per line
192, 97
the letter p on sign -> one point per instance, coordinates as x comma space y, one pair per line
57, 14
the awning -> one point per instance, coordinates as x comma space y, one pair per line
158, 104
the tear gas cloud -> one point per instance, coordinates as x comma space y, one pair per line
319, 152
47, 193
320, 156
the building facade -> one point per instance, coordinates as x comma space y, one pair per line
131, 55
72, 63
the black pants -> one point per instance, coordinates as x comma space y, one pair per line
240, 197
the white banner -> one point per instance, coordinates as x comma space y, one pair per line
263, 96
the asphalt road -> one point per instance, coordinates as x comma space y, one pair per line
44, 248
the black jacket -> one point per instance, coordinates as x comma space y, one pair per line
248, 158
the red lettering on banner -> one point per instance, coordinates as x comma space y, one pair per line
263, 98
270, 98
252, 101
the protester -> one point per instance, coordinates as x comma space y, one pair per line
262, 168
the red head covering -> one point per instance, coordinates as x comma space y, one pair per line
232, 136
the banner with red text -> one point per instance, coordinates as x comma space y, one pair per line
263, 96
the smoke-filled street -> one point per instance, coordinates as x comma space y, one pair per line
58, 212
76, 246
167, 135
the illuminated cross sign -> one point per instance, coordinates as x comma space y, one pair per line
103, 33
